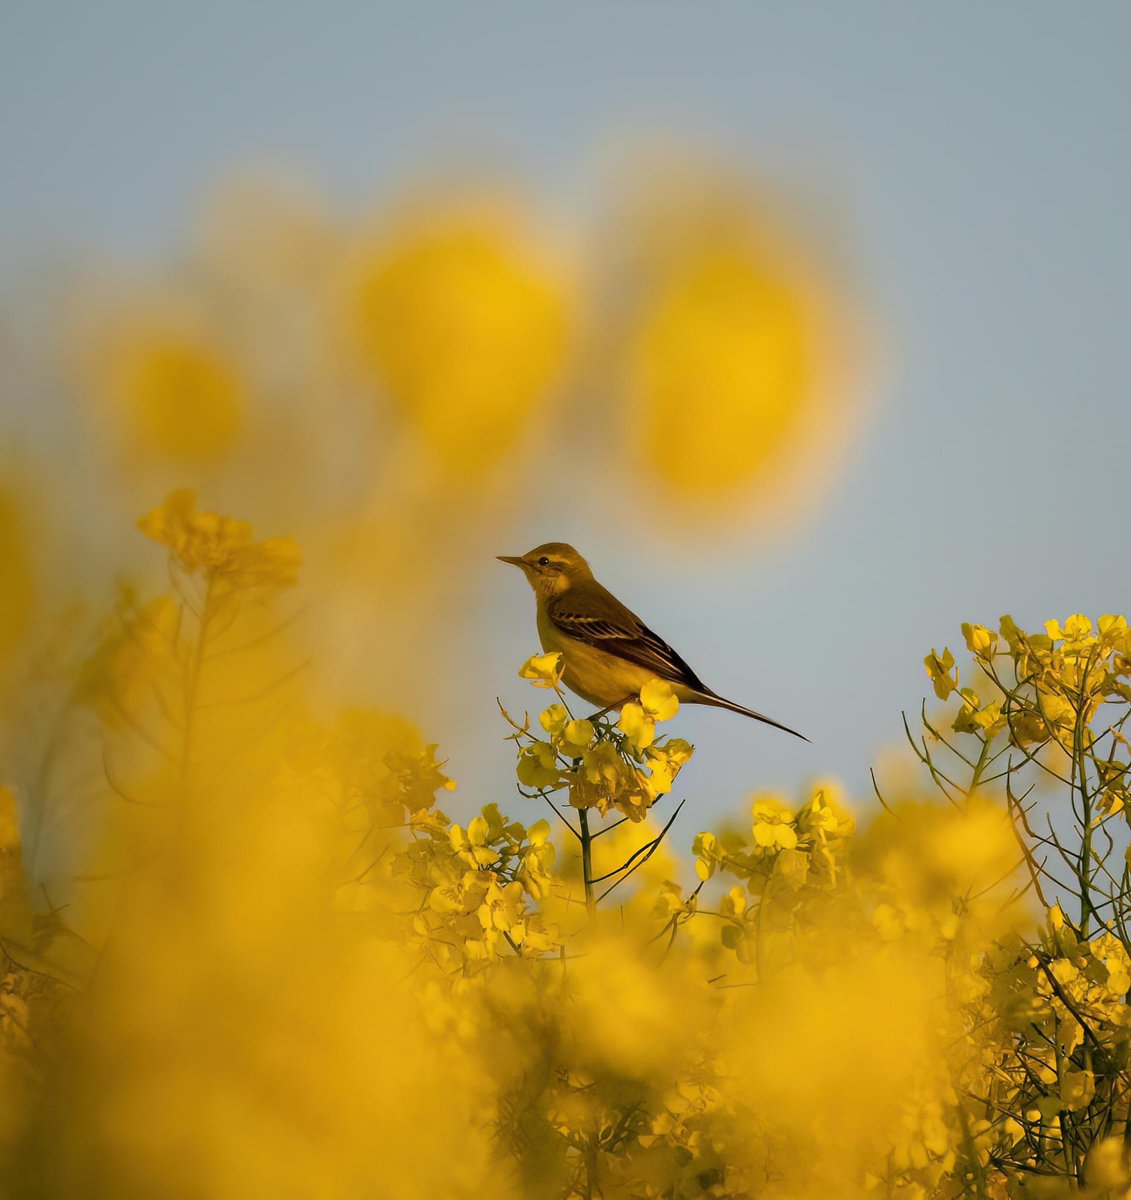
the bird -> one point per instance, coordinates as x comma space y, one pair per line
608, 653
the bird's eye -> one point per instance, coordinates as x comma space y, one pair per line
543, 561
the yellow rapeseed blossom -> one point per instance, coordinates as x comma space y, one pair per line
736, 385
220, 547
543, 670
304, 969
179, 395
665, 762
940, 668
980, 640
657, 702
721, 370
18, 590
464, 326
604, 766
773, 824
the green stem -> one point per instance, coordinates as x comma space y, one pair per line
192, 681
590, 1161
975, 1167
1079, 778
587, 859
979, 767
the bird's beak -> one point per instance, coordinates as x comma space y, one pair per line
509, 558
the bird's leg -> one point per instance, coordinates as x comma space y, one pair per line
609, 707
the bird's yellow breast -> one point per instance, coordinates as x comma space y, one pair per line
595, 675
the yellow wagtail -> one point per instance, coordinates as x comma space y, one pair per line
608, 653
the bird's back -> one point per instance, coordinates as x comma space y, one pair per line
590, 613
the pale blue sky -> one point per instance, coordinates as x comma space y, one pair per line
979, 156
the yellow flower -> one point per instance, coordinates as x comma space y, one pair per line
658, 700
638, 728
17, 592
1112, 629
724, 331
471, 844
1029, 728
1076, 628
791, 866
599, 776
733, 903
179, 393
990, 719
543, 670
638, 720
1055, 709
220, 546
665, 763
974, 715
980, 641
773, 824
939, 669
503, 908
708, 854
1106, 1168
604, 780
728, 351
1077, 1089
464, 327
576, 738
554, 719
823, 819
538, 766
539, 833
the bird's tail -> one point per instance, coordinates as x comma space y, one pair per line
706, 697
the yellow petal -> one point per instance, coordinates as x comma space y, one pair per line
658, 700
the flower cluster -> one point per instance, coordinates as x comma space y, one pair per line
1065, 690
789, 855
1044, 708
925, 1001
604, 766
461, 894
221, 548
478, 897
803, 847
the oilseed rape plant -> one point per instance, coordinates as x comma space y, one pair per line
270, 946
254, 941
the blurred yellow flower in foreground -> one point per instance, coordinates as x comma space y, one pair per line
272, 949
464, 328
220, 546
738, 360
721, 370
17, 591
179, 395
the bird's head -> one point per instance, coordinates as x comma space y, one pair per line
552, 568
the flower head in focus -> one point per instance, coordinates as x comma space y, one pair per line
603, 765
543, 670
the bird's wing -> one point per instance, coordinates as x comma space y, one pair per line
592, 614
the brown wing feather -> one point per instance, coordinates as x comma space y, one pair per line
593, 615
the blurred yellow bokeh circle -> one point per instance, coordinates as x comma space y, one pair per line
179, 395
464, 326
722, 369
